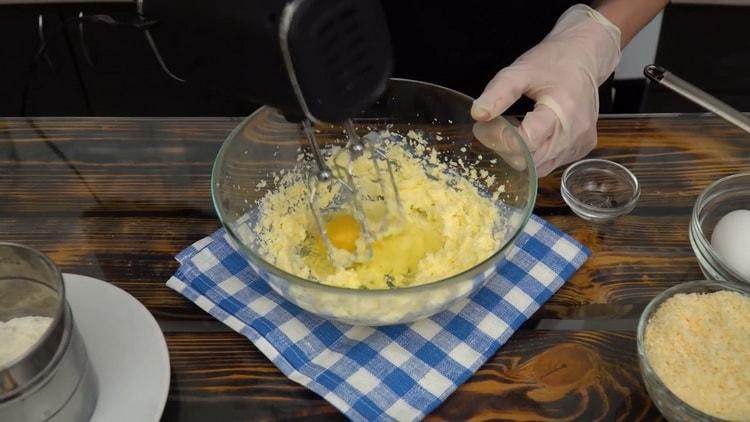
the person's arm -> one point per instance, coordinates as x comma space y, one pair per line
629, 15
562, 75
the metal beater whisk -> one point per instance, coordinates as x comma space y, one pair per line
373, 178
352, 195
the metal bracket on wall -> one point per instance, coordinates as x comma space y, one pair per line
40, 31
82, 41
154, 48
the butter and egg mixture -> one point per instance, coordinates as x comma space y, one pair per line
446, 225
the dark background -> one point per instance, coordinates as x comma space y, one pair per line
100, 70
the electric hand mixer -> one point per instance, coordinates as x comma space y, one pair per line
315, 61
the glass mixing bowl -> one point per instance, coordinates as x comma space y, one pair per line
265, 144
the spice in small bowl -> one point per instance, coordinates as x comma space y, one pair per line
599, 190
694, 350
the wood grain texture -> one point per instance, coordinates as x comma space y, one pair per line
537, 375
118, 198
222, 376
553, 375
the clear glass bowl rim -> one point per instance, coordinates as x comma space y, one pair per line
623, 208
685, 287
293, 279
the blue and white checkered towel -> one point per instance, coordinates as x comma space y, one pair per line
400, 372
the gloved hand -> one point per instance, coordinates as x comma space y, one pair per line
562, 74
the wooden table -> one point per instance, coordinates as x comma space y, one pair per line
118, 198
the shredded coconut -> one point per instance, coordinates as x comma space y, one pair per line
699, 346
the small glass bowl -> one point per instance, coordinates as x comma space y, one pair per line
599, 190
720, 198
672, 407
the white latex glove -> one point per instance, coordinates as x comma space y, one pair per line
562, 74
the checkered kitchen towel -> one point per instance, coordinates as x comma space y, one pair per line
400, 372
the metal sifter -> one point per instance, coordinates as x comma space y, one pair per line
53, 379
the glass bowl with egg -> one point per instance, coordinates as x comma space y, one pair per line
693, 346
720, 229
459, 209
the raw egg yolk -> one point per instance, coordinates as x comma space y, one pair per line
343, 231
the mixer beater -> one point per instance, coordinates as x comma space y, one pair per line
356, 202
316, 61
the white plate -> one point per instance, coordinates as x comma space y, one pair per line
126, 348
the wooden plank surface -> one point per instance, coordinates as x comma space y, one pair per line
537, 375
118, 198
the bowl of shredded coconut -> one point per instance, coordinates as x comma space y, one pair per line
383, 255
694, 350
